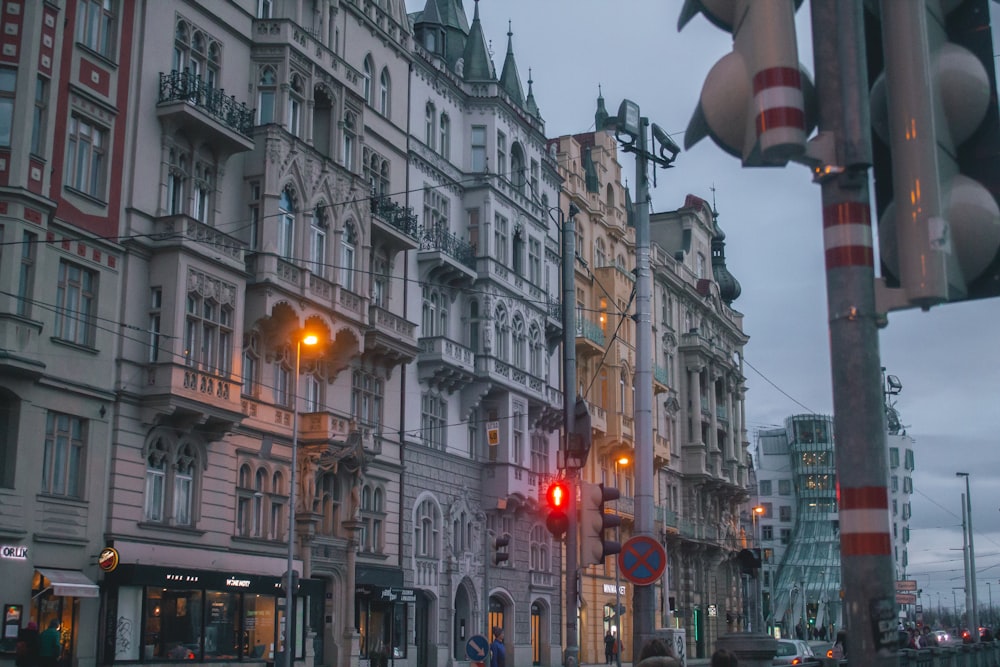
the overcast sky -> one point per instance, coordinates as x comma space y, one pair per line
947, 359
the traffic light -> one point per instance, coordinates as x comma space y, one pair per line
500, 543
594, 521
557, 499
936, 151
757, 102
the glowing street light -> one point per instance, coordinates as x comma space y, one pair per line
289, 643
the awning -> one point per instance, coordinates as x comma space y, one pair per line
70, 583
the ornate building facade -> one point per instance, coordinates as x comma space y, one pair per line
699, 442
486, 405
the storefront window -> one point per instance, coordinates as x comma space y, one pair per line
382, 627
221, 641
258, 627
49, 607
173, 624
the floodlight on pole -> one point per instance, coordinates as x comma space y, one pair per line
288, 646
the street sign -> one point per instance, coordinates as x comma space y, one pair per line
477, 648
642, 560
906, 598
906, 586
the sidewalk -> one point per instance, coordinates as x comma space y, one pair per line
691, 662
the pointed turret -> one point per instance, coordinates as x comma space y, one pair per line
601, 115
428, 28
478, 66
529, 103
729, 287
509, 80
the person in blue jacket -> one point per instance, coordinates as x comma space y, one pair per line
499, 653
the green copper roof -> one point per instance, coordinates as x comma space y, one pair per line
509, 80
478, 66
529, 103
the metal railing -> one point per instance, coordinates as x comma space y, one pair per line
400, 217
187, 87
434, 238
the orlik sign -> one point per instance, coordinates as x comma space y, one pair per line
13, 552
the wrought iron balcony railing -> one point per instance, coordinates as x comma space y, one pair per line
187, 87
434, 238
400, 217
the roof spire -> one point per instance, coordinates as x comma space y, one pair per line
529, 103
509, 79
729, 287
478, 66
601, 115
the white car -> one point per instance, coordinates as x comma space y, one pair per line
945, 638
794, 652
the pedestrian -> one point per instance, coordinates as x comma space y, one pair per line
50, 645
927, 638
724, 658
799, 632
609, 647
499, 653
26, 649
840, 646
657, 653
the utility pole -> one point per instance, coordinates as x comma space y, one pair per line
570, 462
972, 599
841, 156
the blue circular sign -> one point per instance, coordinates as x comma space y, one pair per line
477, 648
642, 560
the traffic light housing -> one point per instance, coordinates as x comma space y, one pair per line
594, 521
936, 152
500, 544
757, 103
557, 501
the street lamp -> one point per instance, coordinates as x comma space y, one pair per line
289, 644
758, 619
970, 579
622, 460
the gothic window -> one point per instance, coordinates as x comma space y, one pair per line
501, 333
296, 96
367, 74
172, 480
540, 549
384, 91
317, 241
266, 91
520, 343
348, 249
444, 145
427, 527
430, 117
517, 167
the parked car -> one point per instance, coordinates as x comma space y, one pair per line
795, 652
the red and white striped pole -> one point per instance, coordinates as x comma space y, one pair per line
867, 569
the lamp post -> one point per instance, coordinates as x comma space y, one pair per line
758, 619
622, 460
989, 589
970, 581
289, 644
632, 131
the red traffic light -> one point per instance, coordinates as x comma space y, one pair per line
558, 496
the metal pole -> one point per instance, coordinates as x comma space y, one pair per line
859, 419
289, 645
965, 564
643, 597
619, 644
571, 657
974, 615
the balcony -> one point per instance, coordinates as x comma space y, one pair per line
667, 519
499, 372
190, 396
20, 352
396, 226
323, 427
660, 380
445, 364
389, 337
508, 481
661, 450
589, 337
598, 417
187, 233
188, 103
553, 322
445, 259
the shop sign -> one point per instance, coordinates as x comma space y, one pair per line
610, 589
404, 595
108, 560
13, 552
713, 610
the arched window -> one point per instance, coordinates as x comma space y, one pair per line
426, 525
259, 485
472, 339
348, 248
430, 118
295, 99
367, 75
266, 89
536, 367
171, 481
182, 38
277, 500
622, 383
501, 332
434, 320
539, 549
600, 254
383, 92
286, 224
520, 341
317, 241
517, 175
610, 198
350, 136
445, 143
